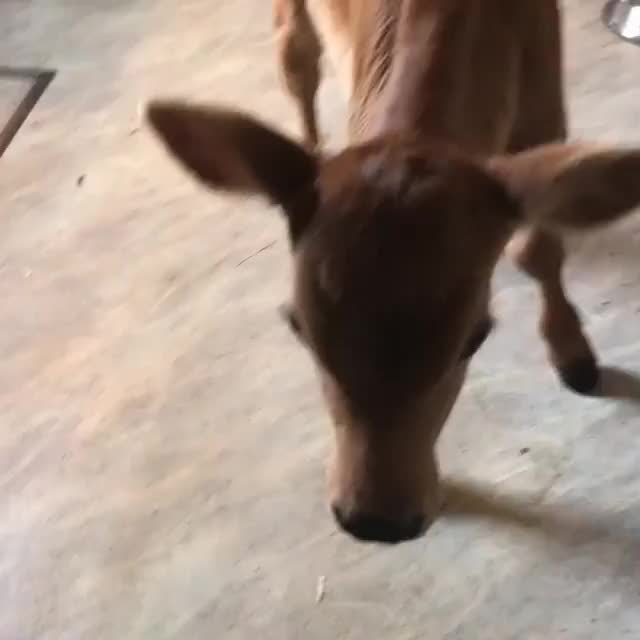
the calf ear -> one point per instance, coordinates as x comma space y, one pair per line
572, 186
230, 151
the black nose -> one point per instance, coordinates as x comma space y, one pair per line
373, 528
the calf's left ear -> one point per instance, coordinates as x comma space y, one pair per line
568, 187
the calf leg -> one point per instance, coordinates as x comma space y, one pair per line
299, 52
542, 255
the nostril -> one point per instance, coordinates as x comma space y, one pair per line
373, 528
419, 524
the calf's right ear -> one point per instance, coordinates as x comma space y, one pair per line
230, 151
572, 186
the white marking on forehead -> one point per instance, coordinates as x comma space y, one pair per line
397, 176
382, 173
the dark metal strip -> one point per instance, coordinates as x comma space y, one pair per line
40, 81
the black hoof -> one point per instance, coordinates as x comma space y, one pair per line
582, 376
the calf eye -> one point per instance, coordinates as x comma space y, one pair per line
479, 335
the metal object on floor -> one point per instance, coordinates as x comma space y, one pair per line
623, 18
20, 91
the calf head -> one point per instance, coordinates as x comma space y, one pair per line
394, 244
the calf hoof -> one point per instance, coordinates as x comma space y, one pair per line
581, 375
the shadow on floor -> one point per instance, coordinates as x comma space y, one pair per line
620, 384
579, 530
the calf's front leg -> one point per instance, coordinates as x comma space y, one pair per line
299, 53
541, 255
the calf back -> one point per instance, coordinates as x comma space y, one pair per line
483, 74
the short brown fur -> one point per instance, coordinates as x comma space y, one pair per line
457, 126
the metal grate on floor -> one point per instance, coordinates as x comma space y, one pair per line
20, 90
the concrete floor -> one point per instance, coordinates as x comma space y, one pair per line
162, 442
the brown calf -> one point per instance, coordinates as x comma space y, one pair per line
457, 122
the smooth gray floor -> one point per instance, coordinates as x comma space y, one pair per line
162, 443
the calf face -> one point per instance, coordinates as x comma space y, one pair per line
394, 244
391, 297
